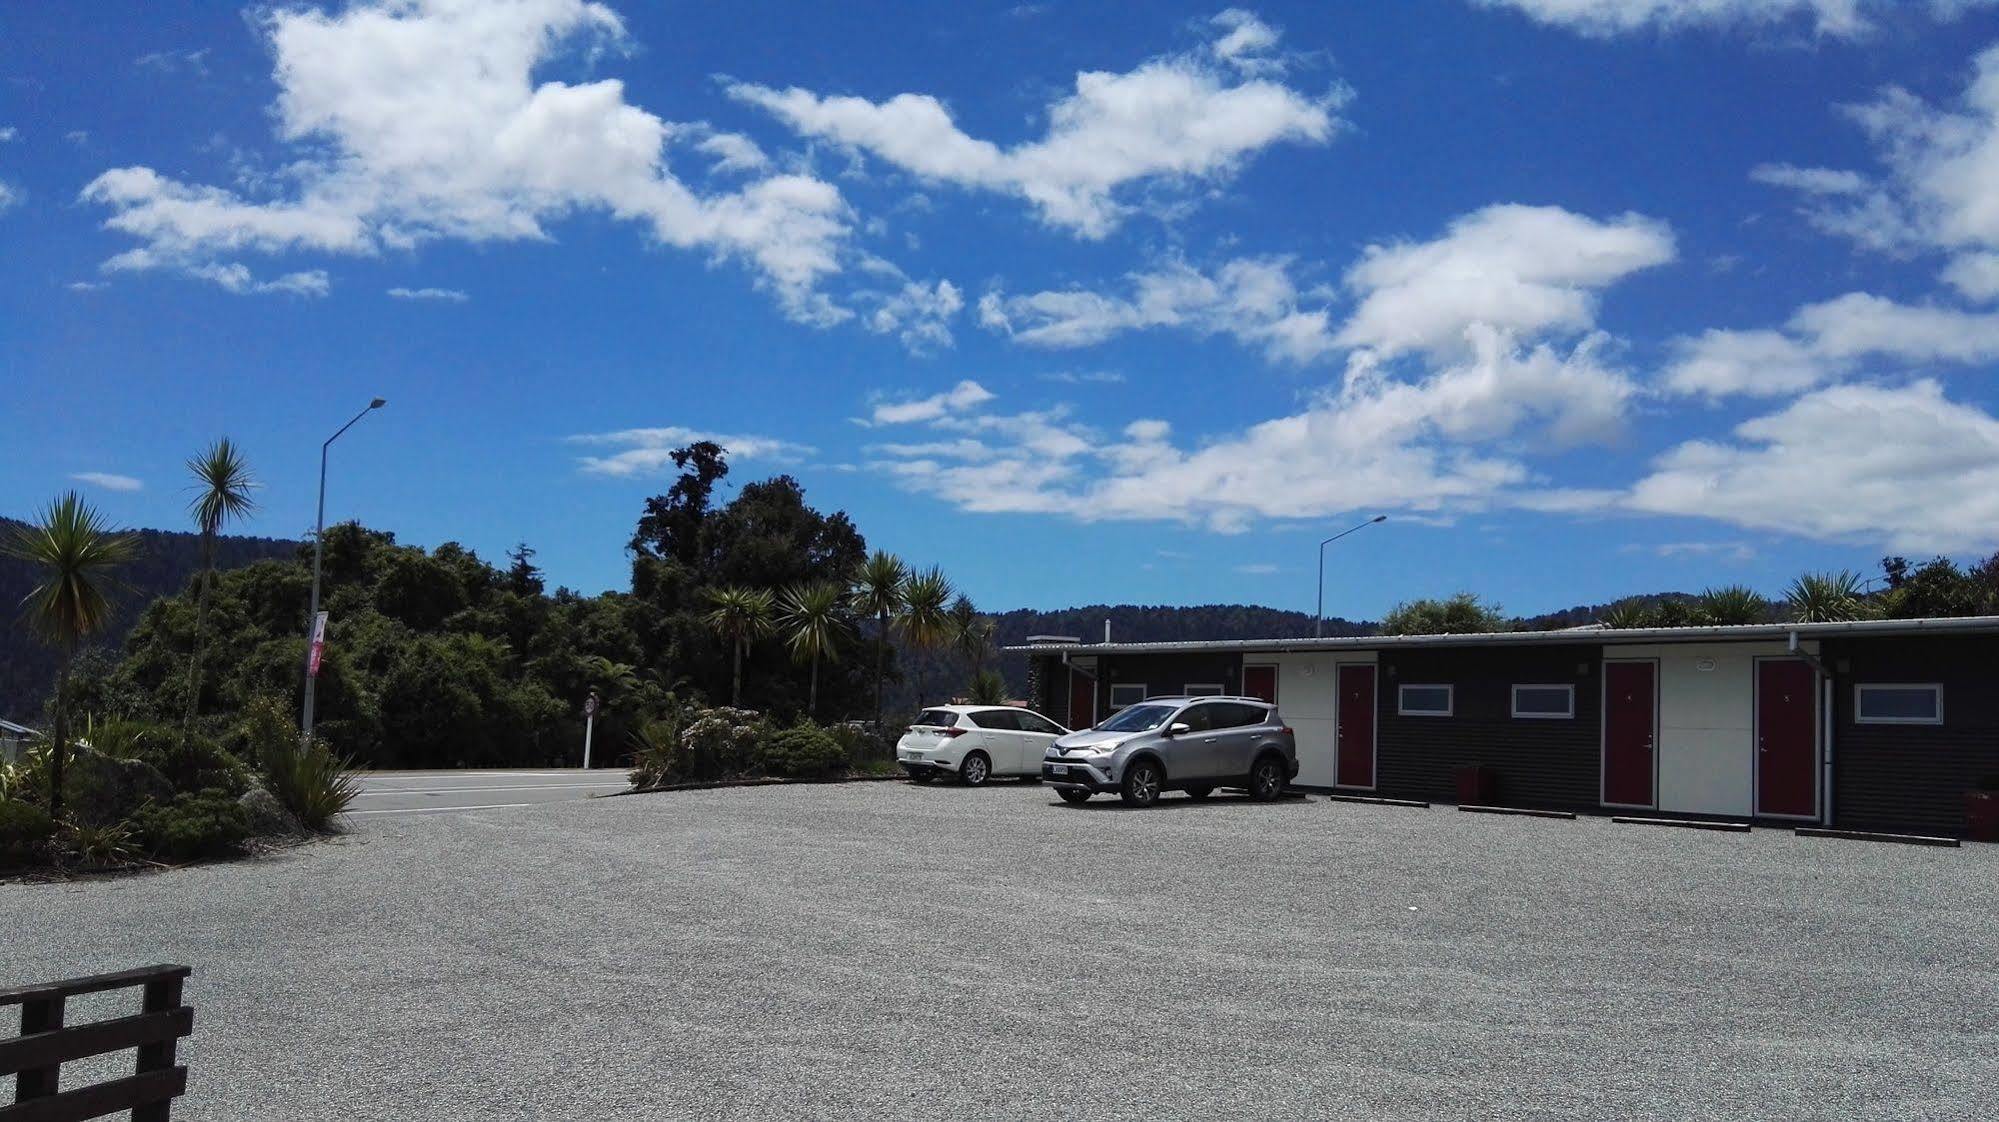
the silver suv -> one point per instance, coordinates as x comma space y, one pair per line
1191, 744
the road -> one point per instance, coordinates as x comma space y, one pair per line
439, 792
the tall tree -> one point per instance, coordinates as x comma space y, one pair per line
926, 615
222, 486
972, 636
877, 593
523, 578
742, 615
1460, 614
74, 554
814, 622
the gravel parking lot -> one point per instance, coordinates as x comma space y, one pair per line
879, 951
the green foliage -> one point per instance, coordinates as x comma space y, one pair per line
25, 830
1939, 588
194, 763
722, 742
1730, 605
864, 746
1461, 614
266, 725
100, 846
309, 781
803, 751
193, 827
1627, 615
1826, 598
988, 688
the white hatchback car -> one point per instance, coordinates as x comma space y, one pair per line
976, 742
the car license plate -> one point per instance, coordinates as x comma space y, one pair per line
1057, 769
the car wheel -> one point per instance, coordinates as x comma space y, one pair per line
975, 770
1074, 795
1266, 779
923, 776
1142, 782
1199, 792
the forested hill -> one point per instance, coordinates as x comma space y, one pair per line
165, 562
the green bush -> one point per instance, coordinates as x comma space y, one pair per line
804, 751
267, 725
862, 743
311, 782
195, 763
722, 743
193, 827
25, 830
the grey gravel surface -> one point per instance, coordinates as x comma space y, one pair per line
881, 951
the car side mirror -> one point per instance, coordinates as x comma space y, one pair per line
1178, 727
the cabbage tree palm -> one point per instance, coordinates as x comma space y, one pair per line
742, 615
926, 615
971, 635
815, 621
73, 554
1731, 605
877, 593
1826, 598
222, 486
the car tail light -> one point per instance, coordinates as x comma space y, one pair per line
1286, 730
949, 733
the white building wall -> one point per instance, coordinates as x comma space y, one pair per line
1308, 700
1707, 723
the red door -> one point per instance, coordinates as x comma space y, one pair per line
1082, 700
1786, 739
1356, 727
1630, 726
1260, 682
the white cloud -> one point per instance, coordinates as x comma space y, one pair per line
1084, 377
236, 277
1257, 569
734, 152
1838, 19
446, 295
1520, 268
919, 314
421, 119
649, 450
1828, 341
168, 62
1727, 551
1252, 300
1181, 118
1374, 442
8, 133
959, 398
1247, 42
86, 286
109, 481
1863, 463
9, 197
1975, 276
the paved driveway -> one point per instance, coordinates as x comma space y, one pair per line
879, 951
444, 792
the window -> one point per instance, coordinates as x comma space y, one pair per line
1424, 701
937, 719
1552, 703
1205, 689
1200, 718
1005, 720
1236, 715
1035, 722
1138, 718
1898, 704
1127, 693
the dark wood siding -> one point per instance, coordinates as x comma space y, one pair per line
1913, 777
1168, 673
1551, 764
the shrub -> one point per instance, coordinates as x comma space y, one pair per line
25, 830
803, 751
657, 758
720, 743
193, 827
267, 724
109, 844
862, 743
101, 790
311, 782
195, 763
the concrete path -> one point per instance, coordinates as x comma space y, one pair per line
443, 792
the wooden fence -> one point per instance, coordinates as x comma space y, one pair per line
35, 1057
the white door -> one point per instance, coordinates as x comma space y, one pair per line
999, 738
1037, 733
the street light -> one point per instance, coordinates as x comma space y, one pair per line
1319, 616
318, 547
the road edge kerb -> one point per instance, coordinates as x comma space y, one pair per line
1521, 811
1684, 823
762, 781
1376, 800
1872, 836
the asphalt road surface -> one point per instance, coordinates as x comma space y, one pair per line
444, 792
881, 951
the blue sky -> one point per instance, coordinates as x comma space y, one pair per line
1588, 296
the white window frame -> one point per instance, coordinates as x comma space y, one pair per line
1450, 699
1935, 688
1116, 686
1206, 689
1567, 687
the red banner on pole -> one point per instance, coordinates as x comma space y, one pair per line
318, 649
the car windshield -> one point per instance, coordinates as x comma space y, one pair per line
938, 718
1138, 718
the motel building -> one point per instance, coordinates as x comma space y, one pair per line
1879, 725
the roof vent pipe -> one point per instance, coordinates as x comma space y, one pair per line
1107, 629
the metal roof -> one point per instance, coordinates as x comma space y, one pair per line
17, 730
1588, 634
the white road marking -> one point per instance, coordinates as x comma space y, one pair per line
501, 787
442, 809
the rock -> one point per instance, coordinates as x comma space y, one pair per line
99, 790
268, 817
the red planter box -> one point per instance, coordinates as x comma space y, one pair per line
1478, 785
1982, 809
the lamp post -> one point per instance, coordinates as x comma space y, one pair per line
1319, 615
313, 633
